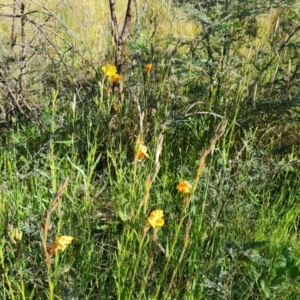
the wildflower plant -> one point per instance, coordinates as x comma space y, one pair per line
184, 187
109, 70
142, 152
116, 78
148, 68
60, 244
140, 149
156, 218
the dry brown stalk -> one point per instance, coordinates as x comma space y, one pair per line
120, 38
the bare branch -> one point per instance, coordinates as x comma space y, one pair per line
115, 32
10, 95
127, 23
14, 26
14, 15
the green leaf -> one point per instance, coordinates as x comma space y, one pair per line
281, 265
266, 288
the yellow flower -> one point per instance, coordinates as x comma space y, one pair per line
148, 68
155, 219
116, 78
142, 152
184, 187
60, 244
14, 233
19, 234
109, 70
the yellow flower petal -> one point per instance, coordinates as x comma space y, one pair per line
19, 234
151, 222
157, 213
184, 187
60, 243
142, 152
155, 218
66, 239
160, 222
109, 70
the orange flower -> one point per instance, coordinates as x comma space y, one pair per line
60, 244
184, 187
156, 218
116, 78
142, 152
148, 68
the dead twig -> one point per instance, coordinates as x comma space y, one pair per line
120, 37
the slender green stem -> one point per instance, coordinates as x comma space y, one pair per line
136, 264
5, 271
166, 266
150, 264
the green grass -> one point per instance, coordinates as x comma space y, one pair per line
224, 119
